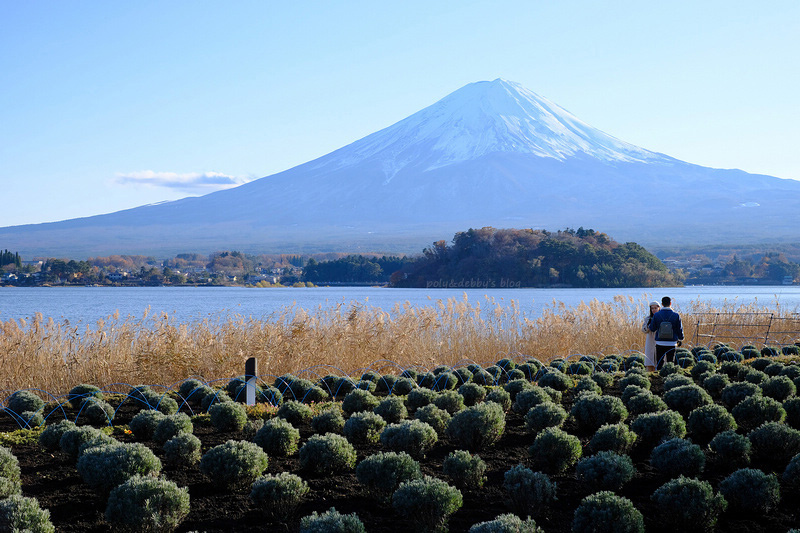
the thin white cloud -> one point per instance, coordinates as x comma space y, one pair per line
191, 182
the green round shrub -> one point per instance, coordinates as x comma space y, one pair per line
182, 450
750, 375
543, 416
25, 400
751, 490
343, 386
605, 471
419, 398
646, 402
734, 393
477, 427
392, 409
632, 390
363, 428
708, 420
792, 408
327, 454
791, 474
279, 495
588, 385
450, 401
779, 388
189, 387
331, 521
428, 502
756, 410
652, 428
773, 369
472, 393
234, 464
96, 412
74, 440
328, 421
32, 419
554, 450
500, 397
411, 436
715, 383
774, 444
791, 371
591, 411
170, 426
403, 386
464, 375
556, 380
686, 398
446, 381
51, 436
676, 380
614, 438
730, 450
278, 437
464, 469
688, 504
528, 398
437, 418
144, 423
605, 512
79, 393
528, 492
507, 523
297, 413
678, 457
212, 397
603, 379
147, 504
228, 416
634, 379
150, 399
383, 472
23, 514
10, 482
105, 466
702, 367
385, 385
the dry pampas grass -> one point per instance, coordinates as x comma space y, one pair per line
349, 338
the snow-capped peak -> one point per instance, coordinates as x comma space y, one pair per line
479, 119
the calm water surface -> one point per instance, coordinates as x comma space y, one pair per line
189, 304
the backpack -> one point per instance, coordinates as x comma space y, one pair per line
665, 331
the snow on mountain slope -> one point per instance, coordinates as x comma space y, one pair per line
479, 119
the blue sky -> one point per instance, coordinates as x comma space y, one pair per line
110, 105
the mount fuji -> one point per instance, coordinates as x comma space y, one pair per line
492, 153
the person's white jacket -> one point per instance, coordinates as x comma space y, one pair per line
649, 343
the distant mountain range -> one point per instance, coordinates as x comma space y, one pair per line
489, 154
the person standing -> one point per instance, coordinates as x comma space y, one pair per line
650, 339
666, 324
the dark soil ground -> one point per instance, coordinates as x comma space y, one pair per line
53, 479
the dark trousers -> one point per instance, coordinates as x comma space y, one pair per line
664, 354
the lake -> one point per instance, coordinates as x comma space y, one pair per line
189, 304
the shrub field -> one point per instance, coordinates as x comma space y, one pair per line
585, 443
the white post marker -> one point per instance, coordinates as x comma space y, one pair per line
250, 380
